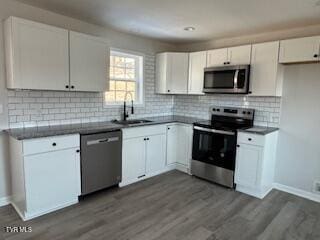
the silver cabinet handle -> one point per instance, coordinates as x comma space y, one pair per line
213, 131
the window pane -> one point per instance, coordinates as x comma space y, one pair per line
111, 60
124, 78
119, 72
130, 74
120, 85
110, 96
112, 86
120, 95
119, 61
131, 86
130, 62
111, 72
133, 96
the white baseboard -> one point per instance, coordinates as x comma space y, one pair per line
128, 182
297, 192
174, 166
258, 193
32, 215
5, 201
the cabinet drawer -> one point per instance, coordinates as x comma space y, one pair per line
252, 139
40, 145
143, 131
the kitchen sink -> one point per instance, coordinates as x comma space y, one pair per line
132, 122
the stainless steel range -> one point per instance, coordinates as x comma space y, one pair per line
214, 144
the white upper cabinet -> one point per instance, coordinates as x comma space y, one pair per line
197, 63
217, 57
240, 55
172, 73
300, 50
266, 73
89, 61
36, 55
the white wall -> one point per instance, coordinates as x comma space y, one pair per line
298, 156
115, 39
254, 38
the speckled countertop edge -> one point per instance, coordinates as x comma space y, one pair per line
266, 131
91, 128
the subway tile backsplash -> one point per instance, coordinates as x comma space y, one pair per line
43, 108
267, 108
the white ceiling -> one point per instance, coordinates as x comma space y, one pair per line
165, 19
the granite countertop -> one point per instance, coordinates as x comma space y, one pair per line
90, 128
259, 130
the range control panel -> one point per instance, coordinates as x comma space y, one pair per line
247, 113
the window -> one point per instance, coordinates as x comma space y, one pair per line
126, 78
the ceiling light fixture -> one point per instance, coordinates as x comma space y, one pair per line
189, 29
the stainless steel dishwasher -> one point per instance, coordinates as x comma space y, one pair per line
101, 161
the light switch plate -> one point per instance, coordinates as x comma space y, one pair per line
1, 108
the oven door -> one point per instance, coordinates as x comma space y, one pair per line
215, 147
231, 79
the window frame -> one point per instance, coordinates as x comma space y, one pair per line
140, 86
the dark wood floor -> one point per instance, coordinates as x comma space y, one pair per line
174, 206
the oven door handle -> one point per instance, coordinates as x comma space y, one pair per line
214, 131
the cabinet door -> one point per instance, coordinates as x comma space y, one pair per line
89, 63
52, 179
197, 63
155, 153
37, 55
300, 50
179, 139
177, 68
161, 73
133, 158
264, 69
217, 57
248, 165
239, 55
172, 144
184, 144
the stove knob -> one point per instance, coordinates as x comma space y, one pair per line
243, 112
218, 110
249, 113
213, 109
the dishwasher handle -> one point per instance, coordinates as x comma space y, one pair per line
102, 140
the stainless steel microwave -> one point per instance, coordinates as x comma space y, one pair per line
227, 79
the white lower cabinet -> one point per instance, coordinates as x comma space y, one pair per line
255, 163
133, 159
155, 153
150, 150
179, 146
45, 174
143, 153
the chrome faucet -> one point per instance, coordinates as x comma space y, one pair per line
125, 113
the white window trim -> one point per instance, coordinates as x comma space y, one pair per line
141, 71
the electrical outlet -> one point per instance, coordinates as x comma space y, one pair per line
316, 187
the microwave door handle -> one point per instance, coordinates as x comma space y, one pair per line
235, 79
